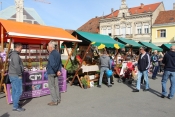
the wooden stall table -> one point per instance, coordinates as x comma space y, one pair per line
90, 68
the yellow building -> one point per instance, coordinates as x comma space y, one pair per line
163, 30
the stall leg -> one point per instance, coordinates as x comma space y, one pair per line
76, 74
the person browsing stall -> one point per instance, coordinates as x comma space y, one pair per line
104, 67
143, 66
54, 70
16, 69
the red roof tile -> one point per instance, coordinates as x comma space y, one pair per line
91, 26
165, 17
137, 10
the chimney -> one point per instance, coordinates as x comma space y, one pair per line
141, 6
173, 6
112, 11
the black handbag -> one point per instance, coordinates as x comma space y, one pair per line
7, 79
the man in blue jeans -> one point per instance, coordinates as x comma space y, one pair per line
143, 66
15, 74
169, 72
104, 67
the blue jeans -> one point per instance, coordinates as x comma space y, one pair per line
145, 74
155, 71
16, 84
166, 75
102, 70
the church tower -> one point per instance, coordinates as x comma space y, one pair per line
123, 11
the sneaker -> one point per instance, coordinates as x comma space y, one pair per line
53, 103
109, 85
19, 109
135, 90
162, 96
145, 89
99, 86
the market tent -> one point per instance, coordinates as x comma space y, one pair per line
166, 46
128, 42
98, 40
150, 45
22, 32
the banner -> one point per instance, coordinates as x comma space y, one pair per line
35, 84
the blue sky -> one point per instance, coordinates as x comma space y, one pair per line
71, 14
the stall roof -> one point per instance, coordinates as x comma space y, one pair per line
128, 41
99, 39
23, 31
150, 45
166, 46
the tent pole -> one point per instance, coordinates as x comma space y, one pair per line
116, 57
5, 64
69, 55
80, 68
2, 38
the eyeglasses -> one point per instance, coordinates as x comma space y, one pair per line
140, 49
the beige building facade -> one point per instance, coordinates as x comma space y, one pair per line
132, 23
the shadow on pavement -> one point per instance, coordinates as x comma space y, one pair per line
5, 115
24, 102
132, 86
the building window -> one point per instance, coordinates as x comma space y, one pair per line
128, 30
161, 33
103, 31
24, 17
146, 29
117, 30
139, 30
109, 31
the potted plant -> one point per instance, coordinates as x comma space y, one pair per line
84, 82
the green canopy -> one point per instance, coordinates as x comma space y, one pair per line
128, 41
100, 40
150, 45
166, 46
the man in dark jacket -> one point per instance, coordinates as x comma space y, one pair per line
54, 70
104, 67
15, 74
143, 66
169, 72
155, 62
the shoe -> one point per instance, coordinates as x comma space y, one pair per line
169, 97
109, 85
53, 103
153, 78
145, 89
135, 90
112, 83
162, 96
19, 109
99, 86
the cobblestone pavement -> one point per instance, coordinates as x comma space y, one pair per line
118, 101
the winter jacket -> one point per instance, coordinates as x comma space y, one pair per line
169, 61
16, 67
144, 62
105, 61
54, 62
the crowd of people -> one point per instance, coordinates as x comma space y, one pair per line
143, 59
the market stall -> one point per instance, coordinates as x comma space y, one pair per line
166, 47
132, 48
90, 40
34, 55
150, 45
